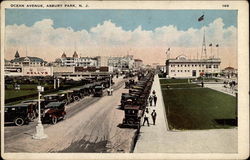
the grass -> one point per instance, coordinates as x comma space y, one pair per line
25, 89
197, 108
179, 85
164, 81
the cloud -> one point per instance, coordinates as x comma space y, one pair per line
42, 33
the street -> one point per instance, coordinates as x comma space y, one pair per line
91, 125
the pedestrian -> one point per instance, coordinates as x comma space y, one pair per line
146, 116
153, 114
202, 84
155, 99
150, 99
153, 92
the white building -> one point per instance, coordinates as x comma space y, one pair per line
76, 61
121, 63
138, 63
182, 67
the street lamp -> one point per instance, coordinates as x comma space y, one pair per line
39, 128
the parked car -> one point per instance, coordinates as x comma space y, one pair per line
53, 112
98, 91
55, 98
132, 117
19, 114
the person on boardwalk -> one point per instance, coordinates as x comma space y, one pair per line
150, 99
146, 116
153, 92
153, 114
155, 99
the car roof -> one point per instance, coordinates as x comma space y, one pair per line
54, 104
18, 105
98, 86
51, 95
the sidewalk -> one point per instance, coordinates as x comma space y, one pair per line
220, 88
158, 139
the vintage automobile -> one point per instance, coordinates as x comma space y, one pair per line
127, 98
53, 112
19, 114
132, 117
98, 91
77, 94
55, 98
129, 83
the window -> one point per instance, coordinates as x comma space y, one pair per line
181, 70
181, 65
185, 70
199, 65
206, 66
178, 65
188, 65
185, 65
216, 66
192, 65
188, 70
178, 71
209, 66
202, 70
195, 65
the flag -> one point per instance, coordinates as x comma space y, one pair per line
201, 18
217, 45
210, 45
167, 50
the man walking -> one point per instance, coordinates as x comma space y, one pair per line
146, 116
155, 99
150, 99
153, 114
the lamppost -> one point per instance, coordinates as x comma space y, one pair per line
39, 128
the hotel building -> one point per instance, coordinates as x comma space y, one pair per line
182, 67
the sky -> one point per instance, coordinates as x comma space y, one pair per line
144, 33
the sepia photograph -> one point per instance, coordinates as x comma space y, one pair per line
124, 80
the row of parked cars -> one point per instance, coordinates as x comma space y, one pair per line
135, 101
53, 105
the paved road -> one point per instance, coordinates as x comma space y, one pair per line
91, 125
12, 131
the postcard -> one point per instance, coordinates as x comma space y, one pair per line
124, 80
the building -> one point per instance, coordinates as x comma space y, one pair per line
76, 61
121, 63
138, 63
26, 66
182, 67
26, 61
230, 72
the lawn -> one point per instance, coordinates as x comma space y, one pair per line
192, 107
164, 81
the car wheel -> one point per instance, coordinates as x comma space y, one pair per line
19, 121
54, 120
76, 98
